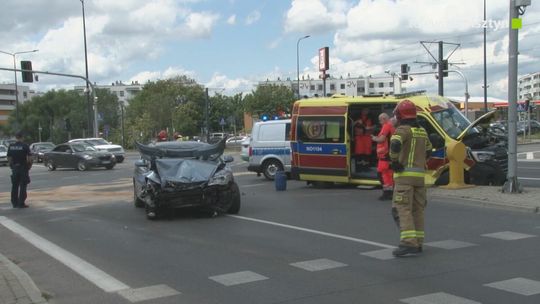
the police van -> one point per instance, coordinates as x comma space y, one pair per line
270, 148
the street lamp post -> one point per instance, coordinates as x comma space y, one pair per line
298, 63
15, 73
88, 104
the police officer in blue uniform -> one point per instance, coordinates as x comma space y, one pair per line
20, 162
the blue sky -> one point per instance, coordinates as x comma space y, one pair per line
155, 39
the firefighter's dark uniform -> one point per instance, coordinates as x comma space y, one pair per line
408, 150
20, 178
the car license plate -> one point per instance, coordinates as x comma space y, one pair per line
106, 162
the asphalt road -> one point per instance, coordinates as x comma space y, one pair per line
303, 245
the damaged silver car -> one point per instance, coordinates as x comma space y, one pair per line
172, 175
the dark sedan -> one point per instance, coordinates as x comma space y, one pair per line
184, 174
79, 156
39, 149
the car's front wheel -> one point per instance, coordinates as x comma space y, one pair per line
270, 167
235, 200
109, 167
139, 203
51, 166
81, 166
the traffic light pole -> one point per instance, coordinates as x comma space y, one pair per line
66, 75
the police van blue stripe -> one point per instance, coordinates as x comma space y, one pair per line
274, 151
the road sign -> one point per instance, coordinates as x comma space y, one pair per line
521, 107
222, 122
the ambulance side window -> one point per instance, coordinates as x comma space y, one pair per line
436, 139
321, 129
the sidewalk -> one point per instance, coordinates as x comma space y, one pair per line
16, 287
491, 196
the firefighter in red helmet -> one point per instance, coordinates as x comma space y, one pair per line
409, 149
162, 136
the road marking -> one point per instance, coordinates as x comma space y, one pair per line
521, 286
438, 298
80, 266
253, 185
337, 236
449, 244
88, 271
382, 254
525, 168
244, 173
508, 235
529, 178
318, 265
148, 293
237, 278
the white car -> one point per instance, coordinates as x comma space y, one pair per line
101, 144
3, 155
244, 153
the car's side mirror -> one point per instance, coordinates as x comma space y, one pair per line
140, 163
228, 159
69, 151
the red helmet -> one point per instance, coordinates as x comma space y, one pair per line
405, 109
162, 135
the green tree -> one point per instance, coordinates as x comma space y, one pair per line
54, 108
230, 108
176, 104
269, 99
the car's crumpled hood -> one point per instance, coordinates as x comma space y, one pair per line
184, 170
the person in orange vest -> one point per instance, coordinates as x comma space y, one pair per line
383, 150
363, 127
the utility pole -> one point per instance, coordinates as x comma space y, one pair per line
440, 66
206, 114
298, 63
88, 103
440, 61
485, 62
517, 8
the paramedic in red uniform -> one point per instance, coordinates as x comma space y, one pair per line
383, 148
363, 127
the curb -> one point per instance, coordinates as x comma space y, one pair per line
478, 202
24, 279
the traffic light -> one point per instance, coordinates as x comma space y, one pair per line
404, 71
527, 104
445, 67
27, 76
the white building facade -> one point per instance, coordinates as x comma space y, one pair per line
8, 99
529, 84
343, 86
124, 92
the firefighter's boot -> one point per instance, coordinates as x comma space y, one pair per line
386, 195
403, 250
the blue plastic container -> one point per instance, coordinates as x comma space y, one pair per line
281, 181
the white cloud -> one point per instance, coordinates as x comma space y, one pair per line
313, 16
230, 85
373, 36
118, 35
200, 24
253, 17
231, 20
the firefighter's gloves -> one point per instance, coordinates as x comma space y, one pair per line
396, 166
